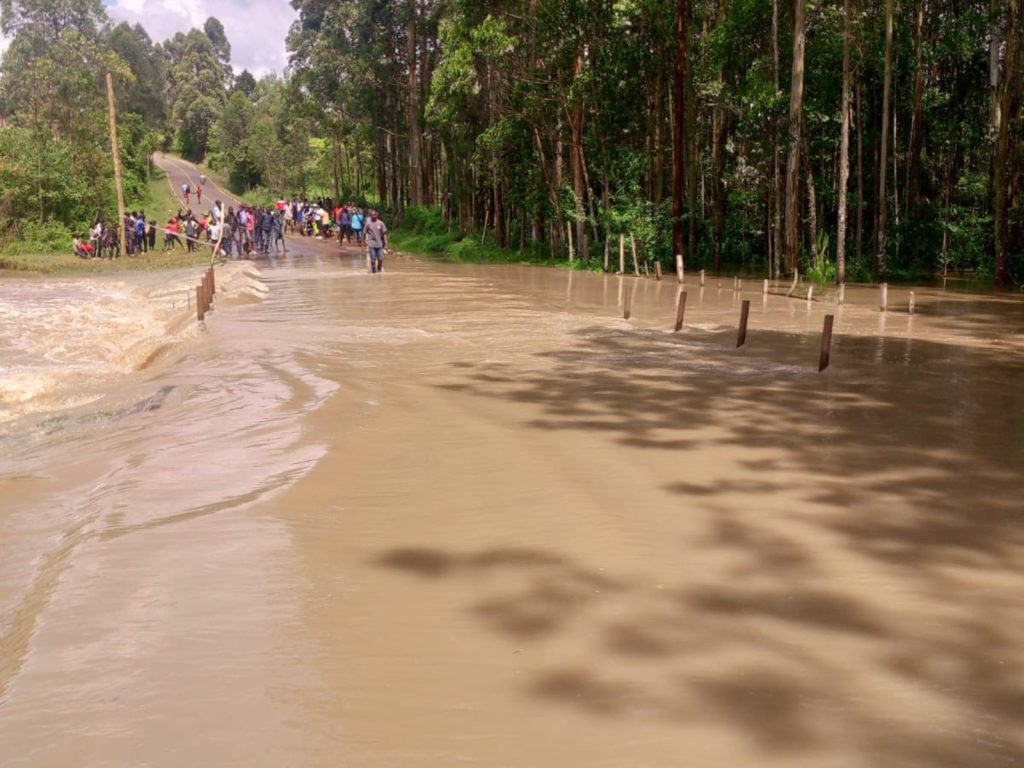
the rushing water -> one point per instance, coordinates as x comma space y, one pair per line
471, 516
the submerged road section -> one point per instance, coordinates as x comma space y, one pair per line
456, 515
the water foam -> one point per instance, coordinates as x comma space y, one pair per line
64, 341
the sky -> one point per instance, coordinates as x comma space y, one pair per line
256, 28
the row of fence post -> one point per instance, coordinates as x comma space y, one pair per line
737, 284
824, 355
204, 294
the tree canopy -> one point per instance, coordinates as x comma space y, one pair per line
844, 137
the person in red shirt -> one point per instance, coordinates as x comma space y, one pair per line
171, 234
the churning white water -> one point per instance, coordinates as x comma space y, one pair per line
62, 340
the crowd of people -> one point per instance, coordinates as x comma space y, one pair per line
323, 219
105, 241
347, 222
244, 233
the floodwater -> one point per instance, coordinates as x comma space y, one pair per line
458, 515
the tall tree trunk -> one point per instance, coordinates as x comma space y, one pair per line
718, 138
576, 155
812, 208
917, 120
679, 126
497, 204
381, 140
883, 171
413, 113
844, 151
336, 169
1007, 110
796, 108
499, 218
860, 174
558, 176
657, 156
692, 162
994, 44
719, 135
778, 190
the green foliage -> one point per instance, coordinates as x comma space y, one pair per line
424, 221
49, 237
143, 94
822, 271
196, 89
424, 232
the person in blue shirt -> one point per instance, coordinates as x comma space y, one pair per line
357, 224
140, 233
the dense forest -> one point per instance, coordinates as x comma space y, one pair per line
849, 138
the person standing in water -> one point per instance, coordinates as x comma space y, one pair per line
375, 235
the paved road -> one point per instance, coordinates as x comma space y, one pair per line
180, 172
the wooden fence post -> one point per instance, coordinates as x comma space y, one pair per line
200, 311
913, 304
632, 245
796, 279
764, 288
826, 343
627, 308
702, 278
883, 297
741, 338
680, 310
657, 270
679, 267
842, 294
622, 254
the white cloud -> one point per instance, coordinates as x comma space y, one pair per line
255, 28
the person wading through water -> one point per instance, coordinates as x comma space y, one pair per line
375, 235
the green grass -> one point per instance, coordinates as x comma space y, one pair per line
65, 263
467, 249
257, 196
159, 205
423, 232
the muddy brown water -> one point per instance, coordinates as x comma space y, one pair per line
460, 515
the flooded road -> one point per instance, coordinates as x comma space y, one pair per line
459, 515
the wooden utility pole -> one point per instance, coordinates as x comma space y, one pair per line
116, 150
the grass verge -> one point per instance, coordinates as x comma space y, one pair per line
425, 234
63, 263
159, 204
256, 197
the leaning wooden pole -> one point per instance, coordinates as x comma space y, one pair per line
116, 150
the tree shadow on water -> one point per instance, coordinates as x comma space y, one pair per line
878, 619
